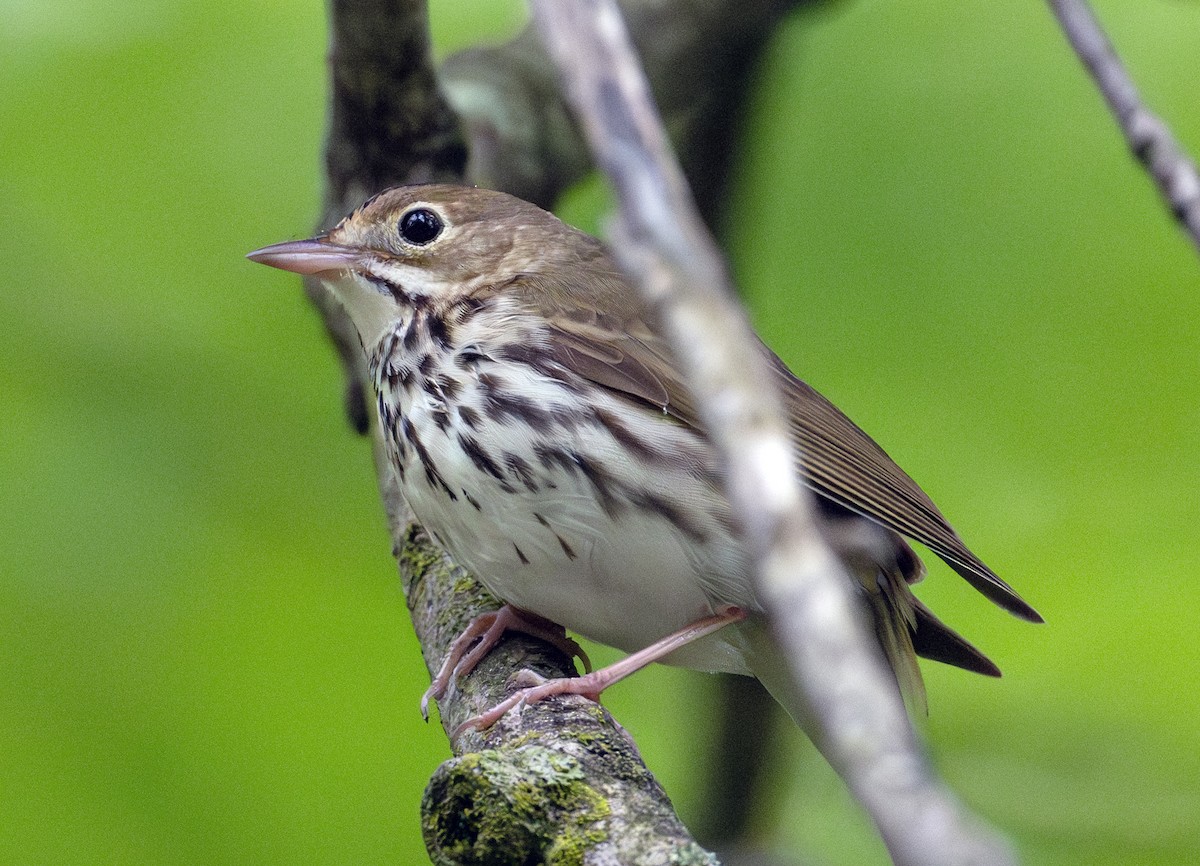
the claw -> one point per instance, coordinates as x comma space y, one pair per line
484, 632
590, 685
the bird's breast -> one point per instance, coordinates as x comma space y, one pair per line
529, 480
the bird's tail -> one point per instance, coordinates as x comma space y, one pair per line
903, 627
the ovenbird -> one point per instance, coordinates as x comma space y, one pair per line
540, 432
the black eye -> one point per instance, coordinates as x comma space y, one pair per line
420, 226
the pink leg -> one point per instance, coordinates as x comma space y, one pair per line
487, 629
593, 683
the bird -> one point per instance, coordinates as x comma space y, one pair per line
541, 431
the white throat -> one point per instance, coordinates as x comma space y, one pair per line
374, 313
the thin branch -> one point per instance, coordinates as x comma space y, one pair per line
1148, 136
583, 783
743, 760
861, 722
698, 55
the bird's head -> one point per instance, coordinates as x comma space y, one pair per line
430, 244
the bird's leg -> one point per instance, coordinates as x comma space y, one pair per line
485, 631
591, 684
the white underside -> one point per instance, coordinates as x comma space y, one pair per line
634, 577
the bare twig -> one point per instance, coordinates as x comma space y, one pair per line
743, 760
388, 124
1149, 137
861, 723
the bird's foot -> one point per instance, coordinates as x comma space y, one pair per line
536, 688
484, 632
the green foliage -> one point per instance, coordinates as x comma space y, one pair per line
204, 654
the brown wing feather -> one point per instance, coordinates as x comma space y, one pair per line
595, 357
845, 464
617, 351
838, 460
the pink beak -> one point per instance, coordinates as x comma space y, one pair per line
313, 256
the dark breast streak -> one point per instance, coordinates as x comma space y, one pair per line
457, 364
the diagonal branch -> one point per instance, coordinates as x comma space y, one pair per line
664, 247
390, 123
1148, 136
559, 776
581, 783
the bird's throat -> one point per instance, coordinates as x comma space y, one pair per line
374, 313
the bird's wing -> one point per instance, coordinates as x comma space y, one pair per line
838, 460
843, 463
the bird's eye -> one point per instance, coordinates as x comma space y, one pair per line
420, 226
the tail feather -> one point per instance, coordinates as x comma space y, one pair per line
933, 639
894, 618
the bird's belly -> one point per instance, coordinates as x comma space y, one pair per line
566, 523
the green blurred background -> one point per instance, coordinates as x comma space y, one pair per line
204, 653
